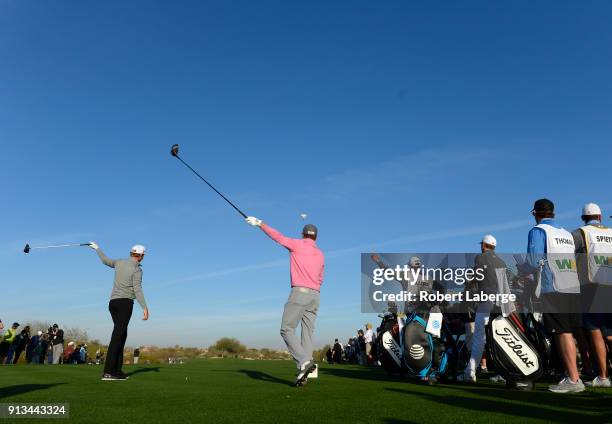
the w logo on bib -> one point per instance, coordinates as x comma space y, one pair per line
566, 264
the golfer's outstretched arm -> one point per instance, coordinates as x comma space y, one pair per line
278, 237
105, 259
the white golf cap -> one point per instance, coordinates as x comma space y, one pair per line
591, 209
139, 249
489, 239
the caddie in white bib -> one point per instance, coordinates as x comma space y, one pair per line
598, 244
561, 259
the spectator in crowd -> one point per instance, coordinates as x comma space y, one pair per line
136, 356
32, 355
7, 342
58, 343
361, 346
329, 355
99, 356
337, 352
352, 351
44, 348
20, 343
83, 354
70, 348
49, 352
369, 342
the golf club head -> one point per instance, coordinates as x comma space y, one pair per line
26, 249
174, 150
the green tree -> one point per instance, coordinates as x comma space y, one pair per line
228, 345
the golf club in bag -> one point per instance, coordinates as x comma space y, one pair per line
518, 349
174, 152
27, 247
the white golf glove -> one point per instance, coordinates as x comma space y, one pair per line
251, 220
94, 245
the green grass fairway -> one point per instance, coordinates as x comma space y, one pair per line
241, 391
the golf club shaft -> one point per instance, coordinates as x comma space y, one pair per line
59, 245
211, 186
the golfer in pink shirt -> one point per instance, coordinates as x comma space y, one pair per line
306, 266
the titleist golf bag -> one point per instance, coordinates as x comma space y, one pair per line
388, 346
518, 348
413, 351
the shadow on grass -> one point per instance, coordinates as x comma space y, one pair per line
19, 389
397, 421
591, 407
376, 374
262, 376
141, 370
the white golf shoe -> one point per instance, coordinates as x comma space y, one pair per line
497, 379
314, 374
463, 378
305, 370
598, 382
566, 386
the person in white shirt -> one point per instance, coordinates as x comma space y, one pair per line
369, 341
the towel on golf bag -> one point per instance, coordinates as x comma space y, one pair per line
513, 349
423, 354
388, 346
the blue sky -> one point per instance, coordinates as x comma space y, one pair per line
397, 126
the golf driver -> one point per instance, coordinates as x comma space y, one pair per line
27, 247
174, 152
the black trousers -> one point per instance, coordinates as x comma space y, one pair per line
17, 354
121, 311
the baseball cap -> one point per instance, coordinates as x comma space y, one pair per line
310, 230
591, 209
15, 324
139, 249
415, 261
543, 205
489, 239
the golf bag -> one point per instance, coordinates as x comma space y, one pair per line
517, 348
388, 346
412, 351
423, 354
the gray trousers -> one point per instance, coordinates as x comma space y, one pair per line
58, 351
301, 307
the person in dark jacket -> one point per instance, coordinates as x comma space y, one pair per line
337, 352
31, 348
21, 341
43, 347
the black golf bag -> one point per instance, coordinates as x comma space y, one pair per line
425, 355
518, 349
412, 351
388, 346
